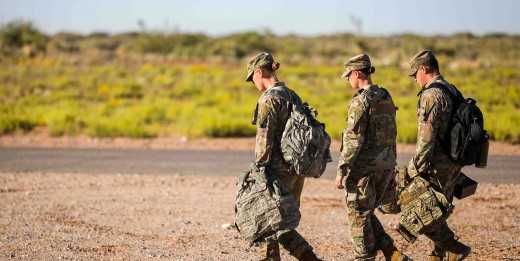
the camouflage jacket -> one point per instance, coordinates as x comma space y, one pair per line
368, 141
433, 113
271, 116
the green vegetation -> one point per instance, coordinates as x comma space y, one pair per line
153, 84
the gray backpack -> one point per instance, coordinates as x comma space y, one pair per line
305, 144
264, 209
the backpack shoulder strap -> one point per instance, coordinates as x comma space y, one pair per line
275, 91
456, 98
386, 91
281, 92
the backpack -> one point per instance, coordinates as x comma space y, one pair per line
305, 144
466, 138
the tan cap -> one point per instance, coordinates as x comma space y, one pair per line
358, 62
419, 59
258, 62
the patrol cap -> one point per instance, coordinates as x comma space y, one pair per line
419, 59
257, 62
356, 63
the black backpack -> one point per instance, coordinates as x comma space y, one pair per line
466, 136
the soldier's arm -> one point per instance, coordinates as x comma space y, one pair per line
352, 136
266, 126
430, 117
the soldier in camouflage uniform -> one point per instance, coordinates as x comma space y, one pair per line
367, 162
271, 116
434, 111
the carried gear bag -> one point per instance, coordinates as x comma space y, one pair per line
305, 144
264, 209
466, 141
422, 208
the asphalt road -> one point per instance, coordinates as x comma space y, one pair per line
500, 169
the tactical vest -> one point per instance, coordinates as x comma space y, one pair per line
381, 128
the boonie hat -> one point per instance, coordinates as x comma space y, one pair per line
356, 63
419, 59
257, 62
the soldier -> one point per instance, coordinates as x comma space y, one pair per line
434, 111
367, 161
271, 116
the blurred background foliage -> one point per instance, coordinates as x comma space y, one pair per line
152, 84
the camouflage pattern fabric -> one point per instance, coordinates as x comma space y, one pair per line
358, 62
272, 114
362, 197
271, 117
291, 241
264, 209
433, 112
419, 59
390, 197
305, 144
438, 236
423, 209
368, 141
368, 159
257, 62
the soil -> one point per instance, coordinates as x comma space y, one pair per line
54, 216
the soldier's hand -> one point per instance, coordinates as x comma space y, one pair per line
339, 182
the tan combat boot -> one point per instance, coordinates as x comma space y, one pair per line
456, 250
309, 256
435, 258
458, 257
392, 254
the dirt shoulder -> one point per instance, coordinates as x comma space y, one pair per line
149, 217
42, 139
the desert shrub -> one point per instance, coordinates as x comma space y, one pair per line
117, 127
14, 117
194, 85
66, 42
127, 90
227, 127
16, 35
63, 122
11, 123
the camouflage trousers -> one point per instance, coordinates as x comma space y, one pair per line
291, 241
443, 173
363, 196
437, 237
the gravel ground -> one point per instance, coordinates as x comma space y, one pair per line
50, 216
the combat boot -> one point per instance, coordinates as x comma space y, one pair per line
309, 255
458, 257
392, 254
435, 258
456, 250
